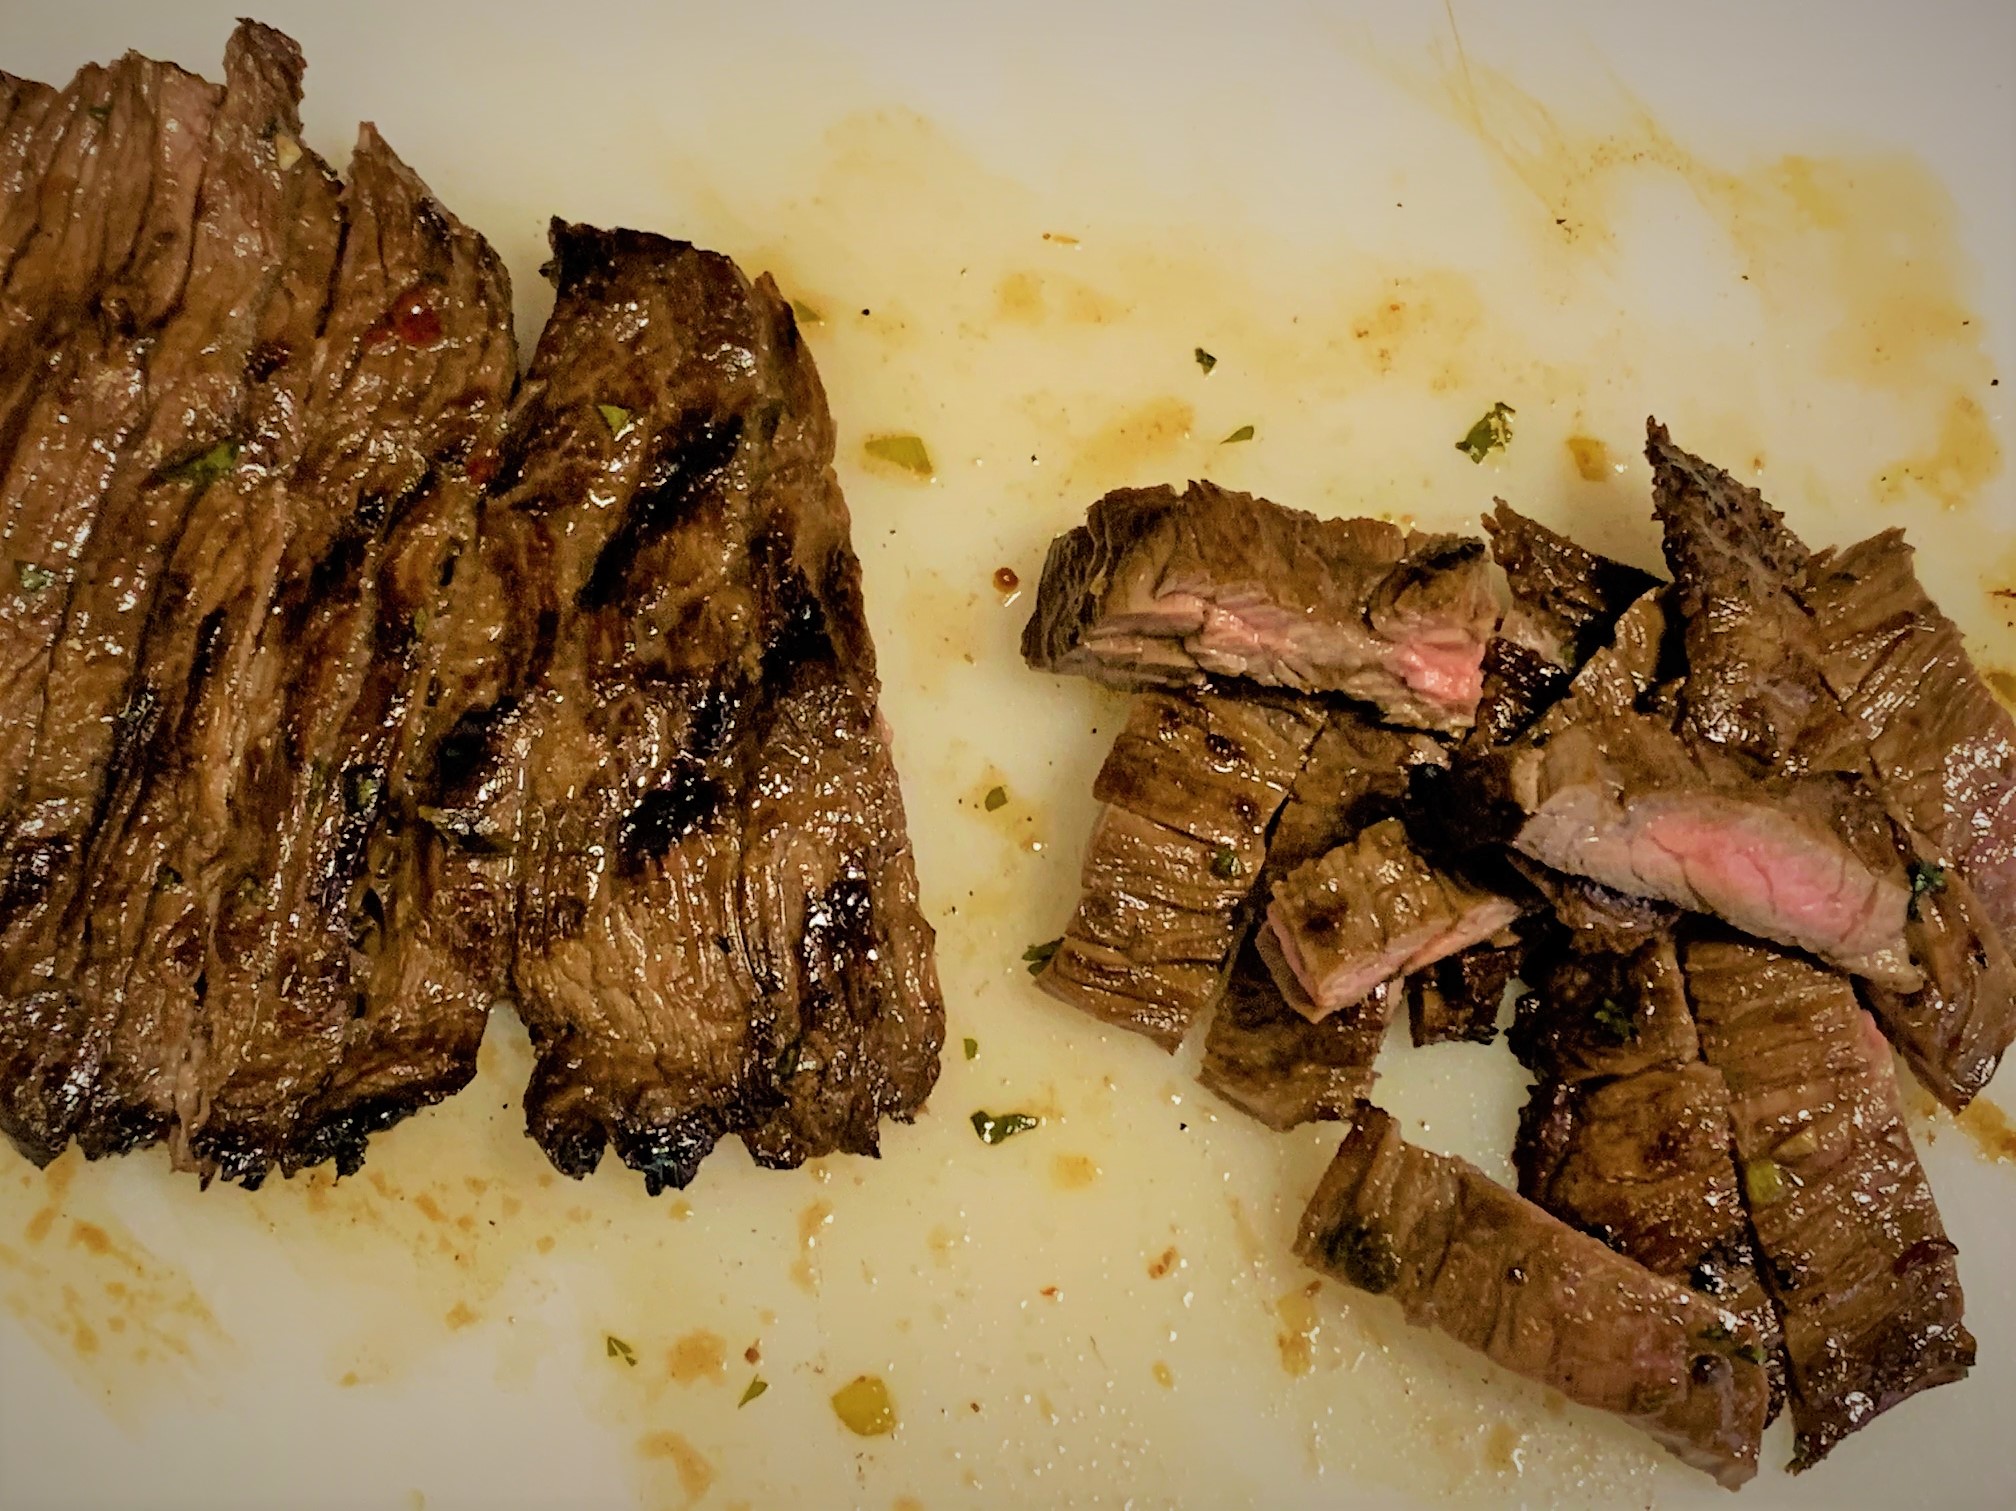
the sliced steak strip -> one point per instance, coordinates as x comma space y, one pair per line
1463, 1255
1854, 1252
1627, 1134
1458, 998
324, 682
1943, 745
672, 808
1160, 589
1272, 1063
1190, 788
1369, 911
1754, 684
195, 416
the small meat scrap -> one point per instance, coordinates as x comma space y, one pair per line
1161, 589
1565, 599
1272, 1063
1627, 1134
1852, 1246
1189, 789
1458, 997
1366, 912
1466, 1257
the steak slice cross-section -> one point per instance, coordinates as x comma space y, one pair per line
1160, 589
1852, 1246
1464, 1256
1190, 787
671, 810
1369, 911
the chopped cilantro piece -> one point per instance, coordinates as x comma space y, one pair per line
1038, 955
972, 1049
996, 1130
1489, 433
1243, 433
756, 1388
1205, 360
615, 416
997, 797
905, 451
615, 1348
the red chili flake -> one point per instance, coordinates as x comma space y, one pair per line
415, 318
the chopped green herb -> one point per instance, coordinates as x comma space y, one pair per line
1243, 433
1489, 433
99, 112
996, 1130
756, 1388
1715, 1332
1205, 360
166, 877
1364, 1256
205, 467
905, 451
1803, 1144
1763, 1182
997, 797
1617, 1021
1749, 1353
972, 1049
361, 786
1038, 955
615, 416
1225, 863
806, 315
615, 1348
1924, 878
33, 578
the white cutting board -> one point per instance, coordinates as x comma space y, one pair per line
1789, 229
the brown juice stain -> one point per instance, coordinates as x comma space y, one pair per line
1502, 1449
1591, 458
694, 1471
1991, 1131
1852, 259
1073, 1172
1164, 1376
1301, 1324
125, 1323
699, 1355
816, 1217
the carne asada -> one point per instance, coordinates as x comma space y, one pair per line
670, 815
1852, 1247
1463, 1255
1458, 998
1190, 788
1160, 589
1627, 1134
1369, 911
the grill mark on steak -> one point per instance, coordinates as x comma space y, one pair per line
668, 819
1855, 1254
1466, 1257
1160, 589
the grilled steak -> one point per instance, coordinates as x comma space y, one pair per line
1770, 680
1271, 1062
1369, 911
1627, 1134
1160, 589
1853, 1249
1945, 748
1565, 600
210, 396
669, 817
1458, 998
1190, 788
1754, 683
1260, 1054
1465, 1256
